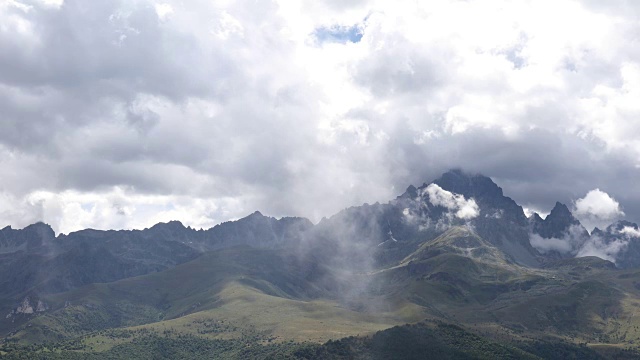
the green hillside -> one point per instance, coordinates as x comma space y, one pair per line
424, 340
270, 301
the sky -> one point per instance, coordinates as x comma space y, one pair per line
118, 114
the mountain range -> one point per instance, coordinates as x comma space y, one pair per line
455, 252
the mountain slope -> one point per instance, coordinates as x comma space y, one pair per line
432, 339
455, 250
457, 277
197, 286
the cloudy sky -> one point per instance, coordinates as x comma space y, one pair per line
124, 113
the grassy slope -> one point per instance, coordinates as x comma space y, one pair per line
457, 277
579, 300
282, 319
423, 340
256, 289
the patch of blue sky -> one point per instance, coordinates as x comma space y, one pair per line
338, 34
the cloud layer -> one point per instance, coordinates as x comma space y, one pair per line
571, 243
127, 112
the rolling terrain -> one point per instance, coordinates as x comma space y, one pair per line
453, 257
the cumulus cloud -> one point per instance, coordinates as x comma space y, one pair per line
163, 11
115, 208
212, 101
462, 208
597, 208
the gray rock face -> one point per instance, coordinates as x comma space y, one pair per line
33, 238
41, 306
25, 307
28, 306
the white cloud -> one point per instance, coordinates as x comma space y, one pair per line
56, 4
571, 243
231, 100
116, 208
598, 203
163, 10
596, 246
597, 208
462, 208
227, 26
527, 211
630, 231
545, 245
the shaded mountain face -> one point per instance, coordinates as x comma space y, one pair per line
619, 242
34, 261
258, 231
560, 235
556, 224
31, 238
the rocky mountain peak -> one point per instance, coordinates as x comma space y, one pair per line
561, 212
487, 194
469, 185
32, 237
42, 229
173, 225
410, 193
536, 218
558, 223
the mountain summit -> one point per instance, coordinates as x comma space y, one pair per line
485, 192
557, 224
